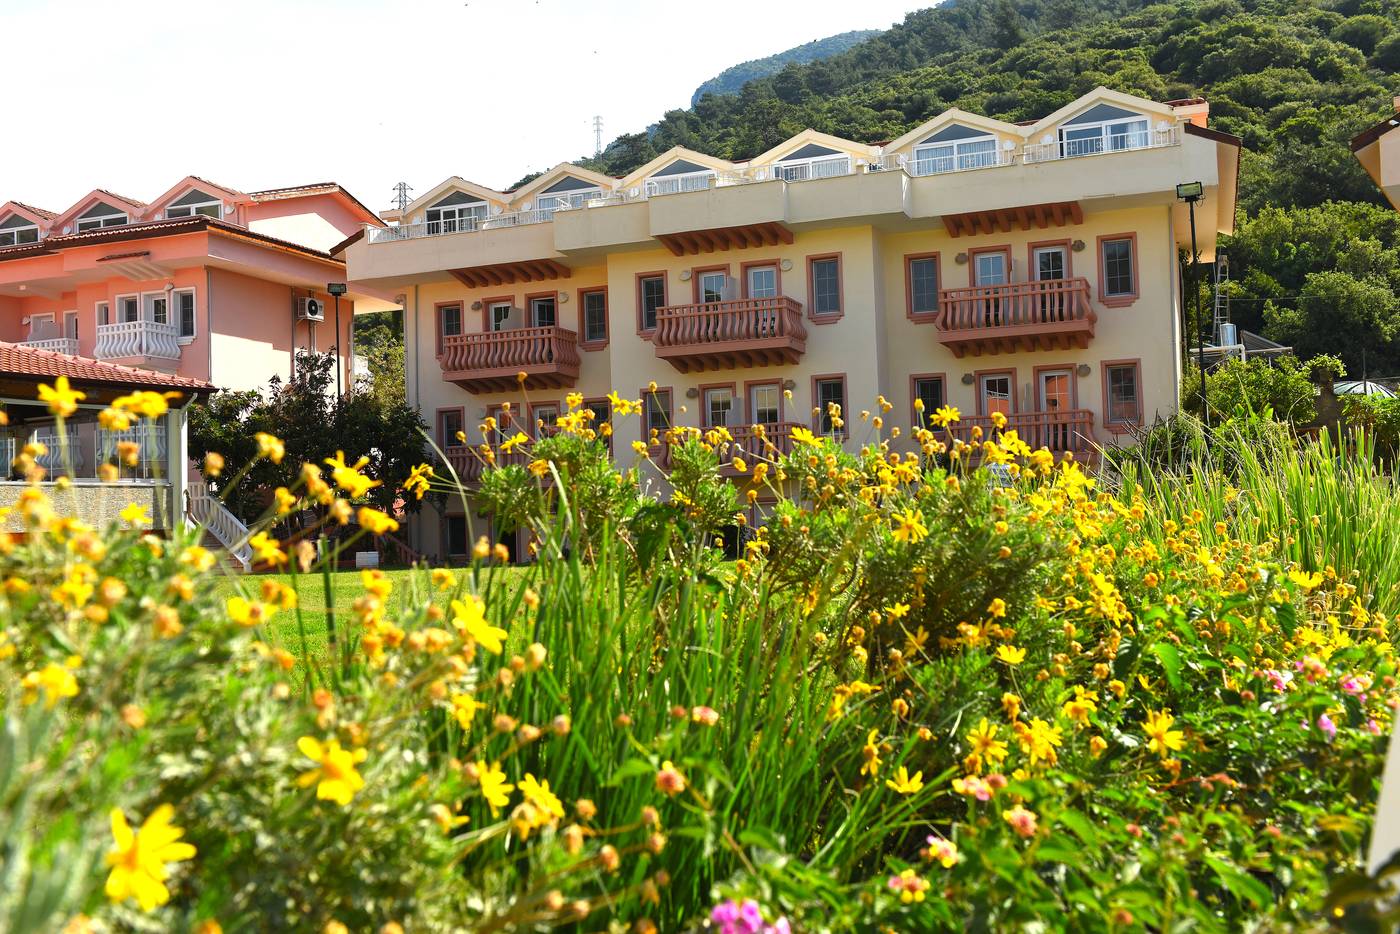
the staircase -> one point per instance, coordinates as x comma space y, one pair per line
231, 535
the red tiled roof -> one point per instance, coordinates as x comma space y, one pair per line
1369, 136
22, 361
46, 215
315, 188
139, 204
155, 228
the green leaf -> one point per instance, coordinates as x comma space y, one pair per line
1171, 662
1240, 883
632, 768
1081, 826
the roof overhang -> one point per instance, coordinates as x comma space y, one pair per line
537, 270
770, 233
1003, 220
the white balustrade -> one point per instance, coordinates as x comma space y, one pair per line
827, 167
152, 442
1155, 138
63, 451
676, 184
962, 162
137, 339
214, 517
68, 345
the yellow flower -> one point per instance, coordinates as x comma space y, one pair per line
464, 708
271, 447
62, 400
1011, 654
945, 415
198, 557
348, 476
536, 791
135, 515
145, 403
114, 420
56, 681
285, 500
494, 787
909, 526
376, 522
804, 436
640, 447
1305, 580
247, 612
140, 859
335, 776
267, 549
469, 616
984, 746
905, 784
443, 579
418, 480
870, 752
999, 419
512, 443
1162, 739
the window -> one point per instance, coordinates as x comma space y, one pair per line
656, 411
1123, 394
456, 534
602, 416
99, 216
765, 403
129, 307
214, 209
829, 394
825, 272
450, 422
157, 307
922, 276
651, 296
995, 394
1117, 270
711, 286
1109, 136
950, 156
104, 313
41, 328
184, 312
70, 325
499, 315
449, 322
547, 204
719, 407
761, 281
929, 391
990, 267
460, 217
542, 312
543, 418
17, 232
594, 308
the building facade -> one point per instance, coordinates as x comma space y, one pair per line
1030, 270
1378, 150
204, 282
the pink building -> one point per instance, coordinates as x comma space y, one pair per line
205, 281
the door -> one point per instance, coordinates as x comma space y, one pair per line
995, 392
41, 328
1056, 400
765, 402
711, 287
542, 312
500, 315
762, 282
1049, 265
991, 269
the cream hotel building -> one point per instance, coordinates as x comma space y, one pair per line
1029, 269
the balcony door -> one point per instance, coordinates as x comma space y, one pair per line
542, 312
1049, 264
990, 269
711, 287
41, 328
765, 403
995, 394
1055, 398
762, 282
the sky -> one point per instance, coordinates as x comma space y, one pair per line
133, 96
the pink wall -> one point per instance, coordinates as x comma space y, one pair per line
331, 208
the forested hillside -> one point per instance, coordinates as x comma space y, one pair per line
735, 77
1296, 79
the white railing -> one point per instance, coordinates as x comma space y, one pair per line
828, 167
676, 184
152, 444
937, 165
888, 163
68, 345
137, 339
61, 454
214, 517
458, 225
568, 200
1097, 145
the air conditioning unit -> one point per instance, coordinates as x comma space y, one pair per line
311, 309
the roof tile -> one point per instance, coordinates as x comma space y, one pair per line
19, 360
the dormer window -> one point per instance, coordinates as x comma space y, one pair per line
459, 211
955, 148
566, 194
15, 230
101, 215
1104, 128
677, 177
195, 202
812, 161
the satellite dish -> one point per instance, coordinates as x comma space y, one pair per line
526, 206
1007, 144
496, 209
633, 192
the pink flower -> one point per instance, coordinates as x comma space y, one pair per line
1325, 724
1021, 820
1279, 679
706, 716
1350, 685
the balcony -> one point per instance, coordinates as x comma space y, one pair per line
1155, 138
68, 345
153, 345
726, 335
1069, 430
774, 442
1052, 314
470, 464
492, 361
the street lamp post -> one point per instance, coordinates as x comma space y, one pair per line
1191, 192
338, 289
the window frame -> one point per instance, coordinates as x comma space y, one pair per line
195, 208
1104, 135
100, 222
751, 410
535, 431
1033, 268
178, 314
735, 407
118, 301
775, 264
67, 316
584, 341
445, 440
975, 252
1118, 299
818, 416
670, 410
957, 156
530, 300
697, 275
825, 317
458, 212
909, 260
605, 403
439, 319
50, 316
100, 310
159, 296
641, 279
1134, 363
914, 380
1010, 374
14, 233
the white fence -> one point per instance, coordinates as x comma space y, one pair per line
137, 339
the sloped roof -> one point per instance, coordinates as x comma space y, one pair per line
22, 361
46, 215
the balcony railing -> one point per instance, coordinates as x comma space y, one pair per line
152, 444
1155, 138
492, 361
470, 463
773, 442
724, 335
458, 225
68, 345
1050, 314
1059, 431
141, 341
829, 167
676, 184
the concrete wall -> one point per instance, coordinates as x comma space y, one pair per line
94, 502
